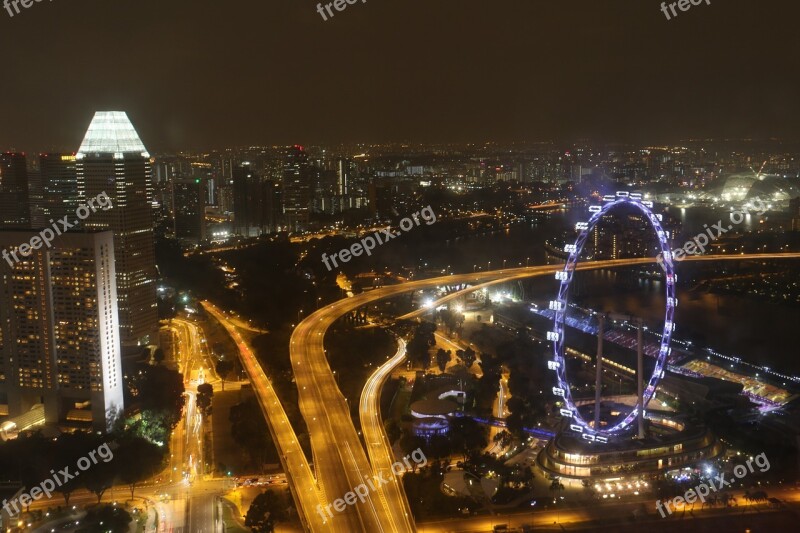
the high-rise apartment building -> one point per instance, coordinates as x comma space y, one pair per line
112, 159
297, 187
225, 198
188, 209
14, 202
59, 335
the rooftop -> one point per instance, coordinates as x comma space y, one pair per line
111, 132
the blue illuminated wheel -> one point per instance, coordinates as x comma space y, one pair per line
578, 424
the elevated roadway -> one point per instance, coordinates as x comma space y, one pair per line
320, 396
340, 460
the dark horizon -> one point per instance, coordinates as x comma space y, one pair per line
198, 76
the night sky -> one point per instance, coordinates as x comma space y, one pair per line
199, 74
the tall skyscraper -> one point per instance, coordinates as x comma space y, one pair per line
245, 195
112, 159
256, 202
59, 335
297, 189
188, 209
59, 187
344, 176
14, 202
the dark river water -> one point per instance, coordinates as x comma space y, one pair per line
755, 330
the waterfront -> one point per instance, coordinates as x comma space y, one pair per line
742, 326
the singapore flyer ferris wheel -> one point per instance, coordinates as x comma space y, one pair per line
560, 305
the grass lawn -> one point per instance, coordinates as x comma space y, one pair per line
229, 518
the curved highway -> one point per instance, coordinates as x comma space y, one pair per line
304, 486
340, 460
320, 396
379, 448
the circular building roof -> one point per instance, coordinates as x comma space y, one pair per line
429, 408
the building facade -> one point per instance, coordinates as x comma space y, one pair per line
59, 330
59, 188
297, 188
112, 159
14, 201
188, 209
256, 202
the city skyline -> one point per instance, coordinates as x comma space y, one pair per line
364, 266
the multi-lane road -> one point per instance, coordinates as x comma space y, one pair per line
379, 448
323, 405
340, 460
191, 502
304, 485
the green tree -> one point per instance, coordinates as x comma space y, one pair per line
467, 357
442, 358
224, 367
393, 430
249, 430
267, 509
99, 478
504, 438
205, 395
67, 450
410, 442
420, 344
467, 435
158, 356
439, 446
138, 459
155, 426
156, 388
106, 518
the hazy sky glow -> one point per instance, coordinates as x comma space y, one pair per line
196, 74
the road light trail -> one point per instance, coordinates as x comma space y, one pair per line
304, 487
379, 448
340, 460
486, 280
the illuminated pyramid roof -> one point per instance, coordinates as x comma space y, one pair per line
111, 132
